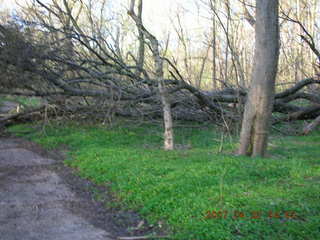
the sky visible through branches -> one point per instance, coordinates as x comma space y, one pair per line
158, 14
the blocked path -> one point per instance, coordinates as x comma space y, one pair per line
34, 200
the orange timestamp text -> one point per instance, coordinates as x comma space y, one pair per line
253, 215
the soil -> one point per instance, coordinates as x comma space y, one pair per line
41, 198
33, 178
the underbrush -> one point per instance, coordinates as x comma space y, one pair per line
201, 191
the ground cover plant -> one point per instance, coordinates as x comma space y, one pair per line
197, 191
23, 101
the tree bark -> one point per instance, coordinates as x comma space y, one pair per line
214, 47
158, 62
141, 52
311, 126
257, 115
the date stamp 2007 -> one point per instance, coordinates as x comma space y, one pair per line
253, 215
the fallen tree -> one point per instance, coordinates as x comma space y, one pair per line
188, 103
87, 75
310, 127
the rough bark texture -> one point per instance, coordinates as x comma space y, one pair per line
167, 116
258, 109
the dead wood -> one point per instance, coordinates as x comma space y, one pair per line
27, 115
102, 76
311, 126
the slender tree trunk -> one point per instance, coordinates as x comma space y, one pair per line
158, 62
256, 120
214, 52
141, 51
166, 107
167, 117
226, 75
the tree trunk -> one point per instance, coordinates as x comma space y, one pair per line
214, 48
256, 120
141, 51
158, 62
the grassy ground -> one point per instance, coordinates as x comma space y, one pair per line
24, 101
198, 193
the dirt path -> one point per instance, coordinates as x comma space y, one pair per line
41, 199
34, 200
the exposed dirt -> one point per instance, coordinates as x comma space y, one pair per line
44, 199
41, 198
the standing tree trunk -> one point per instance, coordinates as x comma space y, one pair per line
141, 51
213, 5
158, 62
257, 114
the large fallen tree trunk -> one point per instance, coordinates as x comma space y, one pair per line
190, 103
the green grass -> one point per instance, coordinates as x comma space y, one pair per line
180, 186
24, 101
